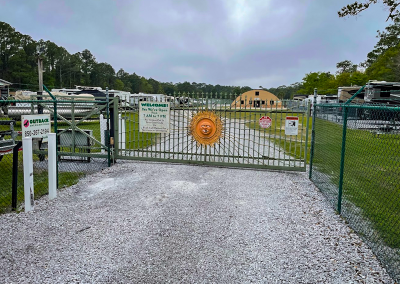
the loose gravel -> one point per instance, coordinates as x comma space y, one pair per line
162, 223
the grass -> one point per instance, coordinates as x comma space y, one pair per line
134, 138
371, 180
40, 181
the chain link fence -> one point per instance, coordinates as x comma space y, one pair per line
80, 139
355, 163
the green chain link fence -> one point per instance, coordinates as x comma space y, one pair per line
356, 163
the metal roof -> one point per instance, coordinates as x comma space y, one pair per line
4, 83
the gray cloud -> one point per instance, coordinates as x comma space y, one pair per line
227, 42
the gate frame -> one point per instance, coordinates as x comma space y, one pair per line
118, 155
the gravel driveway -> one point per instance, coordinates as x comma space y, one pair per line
163, 223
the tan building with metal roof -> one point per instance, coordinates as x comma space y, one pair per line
256, 99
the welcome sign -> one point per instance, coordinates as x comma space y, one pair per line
154, 117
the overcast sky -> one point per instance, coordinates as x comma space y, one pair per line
228, 42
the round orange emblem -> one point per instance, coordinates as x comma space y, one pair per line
206, 128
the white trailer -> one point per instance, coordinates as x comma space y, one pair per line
136, 98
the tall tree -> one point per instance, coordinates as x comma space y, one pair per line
124, 78
88, 63
9, 45
388, 38
387, 66
102, 75
357, 7
346, 66
323, 81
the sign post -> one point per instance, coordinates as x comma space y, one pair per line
52, 166
154, 117
28, 174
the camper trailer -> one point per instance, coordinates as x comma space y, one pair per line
382, 92
375, 92
345, 93
136, 98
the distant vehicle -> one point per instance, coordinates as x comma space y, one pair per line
184, 101
345, 93
24, 108
374, 93
134, 99
382, 92
172, 100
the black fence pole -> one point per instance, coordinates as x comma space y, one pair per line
39, 106
14, 198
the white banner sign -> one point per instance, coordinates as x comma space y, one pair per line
154, 117
292, 125
36, 126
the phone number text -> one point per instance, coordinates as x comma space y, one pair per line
36, 132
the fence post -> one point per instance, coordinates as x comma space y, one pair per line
108, 128
55, 125
14, 193
314, 112
52, 149
28, 174
306, 142
103, 127
345, 113
115, 128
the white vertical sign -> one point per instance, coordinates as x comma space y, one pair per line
121, 132
28, 173
52, 161
292, 125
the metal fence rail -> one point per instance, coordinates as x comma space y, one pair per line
356, 163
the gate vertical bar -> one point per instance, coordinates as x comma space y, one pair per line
108, 127
116, 127
306, 142
55, 125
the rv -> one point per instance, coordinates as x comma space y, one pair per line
136, 98
345, 93
382, 92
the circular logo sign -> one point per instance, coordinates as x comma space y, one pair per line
26, 123
206, 128
265, 122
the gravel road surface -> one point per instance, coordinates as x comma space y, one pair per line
162, 223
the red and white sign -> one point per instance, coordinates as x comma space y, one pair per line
265, 122
292, 125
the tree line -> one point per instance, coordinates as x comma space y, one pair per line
18, 65
19, 53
